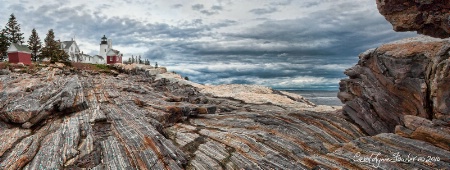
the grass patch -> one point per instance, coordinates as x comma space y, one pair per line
92, 67
102, 66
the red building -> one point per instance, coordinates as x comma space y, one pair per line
113, 57
19, 54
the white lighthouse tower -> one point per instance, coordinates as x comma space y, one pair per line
104, 47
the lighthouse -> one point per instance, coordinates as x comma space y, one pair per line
111, 55
105, 45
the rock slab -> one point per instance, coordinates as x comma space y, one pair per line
408, 77
428, 17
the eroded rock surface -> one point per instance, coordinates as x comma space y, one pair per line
428, 17
146, 121
408, 77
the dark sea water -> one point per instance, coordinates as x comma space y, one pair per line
319, 97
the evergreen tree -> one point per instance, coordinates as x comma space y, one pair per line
3, 45
63, 57
51, 47
34, 44
52, 51
13, 31
129, 60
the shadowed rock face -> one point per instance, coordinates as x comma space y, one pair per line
145, 121
409, 77
428, 17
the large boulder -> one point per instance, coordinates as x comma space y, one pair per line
428, 17
28, 100
408, 77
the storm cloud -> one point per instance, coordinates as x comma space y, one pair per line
282, 43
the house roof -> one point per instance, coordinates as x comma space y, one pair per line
19, 48
67, 44
99, 56
112, 52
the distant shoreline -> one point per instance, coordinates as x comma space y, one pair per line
329, 90
318, 96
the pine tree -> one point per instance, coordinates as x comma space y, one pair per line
13, 31
3, 45
63, 57
34, 44
51, 49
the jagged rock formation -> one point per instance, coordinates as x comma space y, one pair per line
144, 121
428, 17
408, 77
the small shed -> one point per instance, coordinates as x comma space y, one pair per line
19, 54
113, 56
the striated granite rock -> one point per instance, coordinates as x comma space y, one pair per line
145, 121
437, 133
29, 101
428, 17
408, 77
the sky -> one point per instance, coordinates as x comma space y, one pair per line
284, 44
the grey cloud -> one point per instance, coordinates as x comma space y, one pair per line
261, 11
273, 74
311, 4
217, 8
212, 11
155, 54
206, 12
197, 7
335, 39
282, 3
76, 21
177, 5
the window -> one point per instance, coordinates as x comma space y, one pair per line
110, 58
105, 50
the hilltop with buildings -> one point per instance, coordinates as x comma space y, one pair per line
14, 50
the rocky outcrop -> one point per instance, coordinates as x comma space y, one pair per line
428, 17
28, 101
408, 77
141, 121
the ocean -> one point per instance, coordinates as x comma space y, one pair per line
319, 97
